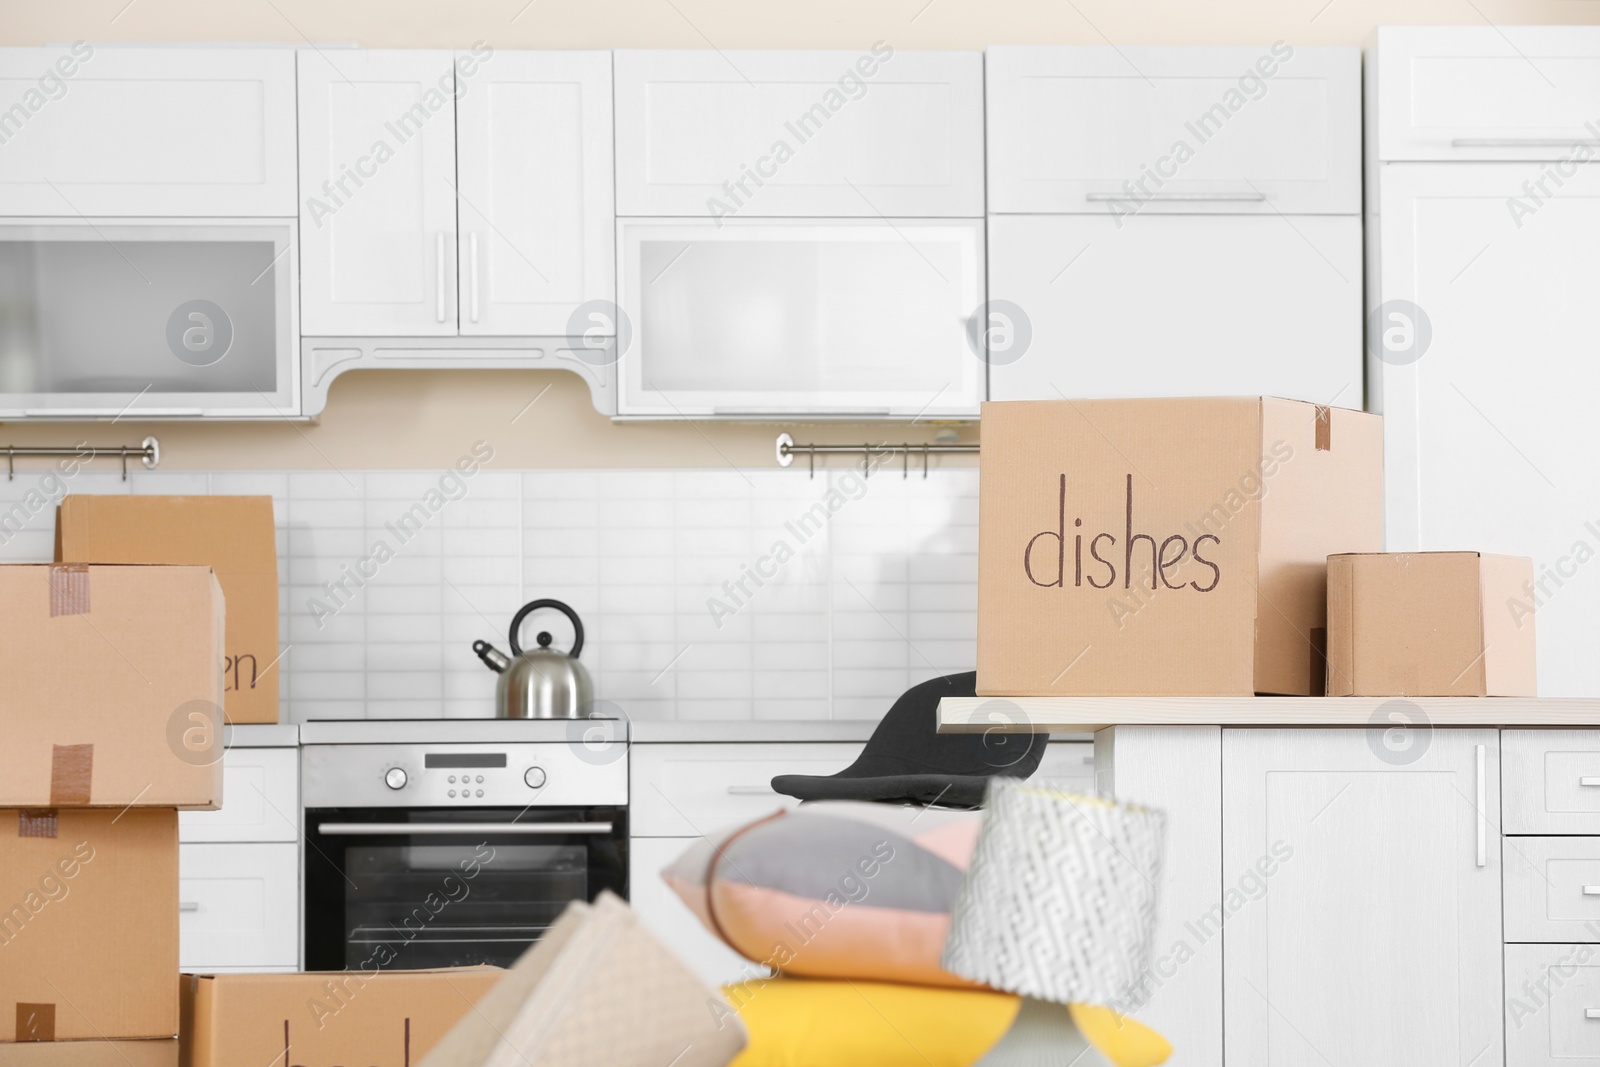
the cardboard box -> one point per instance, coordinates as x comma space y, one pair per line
1176, 546
1430, 624
88, 924
233, 535
112, 686
325, 1019
97, 1053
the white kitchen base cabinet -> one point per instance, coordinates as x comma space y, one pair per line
239, 905
1552, 992
1376, 937
1178, 305
659, 908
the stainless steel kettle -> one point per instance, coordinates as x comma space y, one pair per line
542, 683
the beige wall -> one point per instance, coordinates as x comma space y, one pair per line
425, 419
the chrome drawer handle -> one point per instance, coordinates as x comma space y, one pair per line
188, 905
1589, 779
751, 791
1591, 1013
1591, 890
408, 829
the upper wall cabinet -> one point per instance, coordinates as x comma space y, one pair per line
1481, 92
816, 134
533, 155
106, 130
378, 173
1184, 130
390, 181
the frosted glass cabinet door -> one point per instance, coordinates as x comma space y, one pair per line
1489, 433
839, 317
377, 192
111, 130
147, 319
1361, 895
537, 222
1180, 305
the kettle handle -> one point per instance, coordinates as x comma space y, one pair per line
534, 605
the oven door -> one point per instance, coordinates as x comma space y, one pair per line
444, 887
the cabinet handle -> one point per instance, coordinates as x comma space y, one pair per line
1483, 814
1591, 1013
751, 791
1589, 779
188, 905
1591, 890
1249, 198
472, 272
438, 281
1525, 142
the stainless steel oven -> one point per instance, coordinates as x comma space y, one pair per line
443, 843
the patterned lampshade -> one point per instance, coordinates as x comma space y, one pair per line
1060, 900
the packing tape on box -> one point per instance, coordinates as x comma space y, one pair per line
71, 772
38, 822
1324, 429
36, 1022
69, 589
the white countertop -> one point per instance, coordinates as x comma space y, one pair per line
748, 731
1079, 714
261, 735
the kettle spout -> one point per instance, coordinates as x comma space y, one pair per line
492, 657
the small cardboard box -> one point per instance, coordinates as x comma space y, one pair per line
233, 535
110, 686
1430, 624
1166, 547
89, 930
97, 1053
325, 1019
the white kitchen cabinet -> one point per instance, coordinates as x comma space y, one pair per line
875, 133
1270, 130
761, 317
1552, 781
1177, 305
115, 131
1361, 887
260, 800
1550, 992
693, 790
534, 161
1486, 390
238, 905
1485, 92
378, 197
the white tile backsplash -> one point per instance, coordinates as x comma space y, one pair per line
713, 594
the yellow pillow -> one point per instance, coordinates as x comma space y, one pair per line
820, 1022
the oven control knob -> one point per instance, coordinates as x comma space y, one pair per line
395, 778
534, 776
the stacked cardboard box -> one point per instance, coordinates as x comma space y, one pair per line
112, 716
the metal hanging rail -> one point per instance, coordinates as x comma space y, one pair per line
148, 453
787, 450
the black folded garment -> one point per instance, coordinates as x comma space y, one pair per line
908, 760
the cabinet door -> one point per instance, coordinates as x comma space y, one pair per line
1488, 433
1248, 305
260, 799
378, 200
1361, 896
124, 132
534, 160
659, 908
239, 906
768, 134
844, 317
1228, 130
1487, 92
680, 790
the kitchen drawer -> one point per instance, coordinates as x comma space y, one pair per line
260, 799
666, 916
1487, 92
1271, 130
871, 133
1070, 763
1552, 888
1551, 782
1550, 991
238, 906
691, 790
